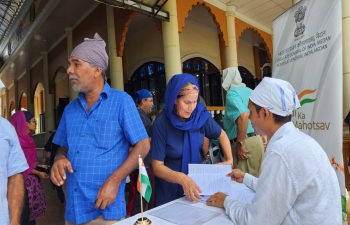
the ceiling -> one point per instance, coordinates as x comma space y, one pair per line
261, 11
60, 14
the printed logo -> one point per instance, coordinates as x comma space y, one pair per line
299, 17
306, 100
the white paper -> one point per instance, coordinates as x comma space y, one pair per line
183, 214
211, 178
241, 192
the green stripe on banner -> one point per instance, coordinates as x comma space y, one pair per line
148, 192
307, 100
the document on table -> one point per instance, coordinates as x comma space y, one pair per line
241, 192
183, 214
211, 178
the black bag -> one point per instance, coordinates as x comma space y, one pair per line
215, 154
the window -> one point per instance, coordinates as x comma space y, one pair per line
247, 78
150, 76
208, 77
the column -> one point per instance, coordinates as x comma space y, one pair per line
15, 84
8, 112
171, 43
295, 1
231, 49
346, 56
30, 105
49, 117
257, 61
72, 94
115, 62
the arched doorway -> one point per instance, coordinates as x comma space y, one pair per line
248, 78
23, 102
39, 108
150, 76
208, 77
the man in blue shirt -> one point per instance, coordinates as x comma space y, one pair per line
95, 132
11, 178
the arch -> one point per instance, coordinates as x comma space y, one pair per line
121, 38
247, 68
266, 38
149, 59
23, 101
219, 16
200, 55
60, 69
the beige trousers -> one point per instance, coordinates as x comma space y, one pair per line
99, 221
255, 148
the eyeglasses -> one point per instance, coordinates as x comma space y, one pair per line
34, 121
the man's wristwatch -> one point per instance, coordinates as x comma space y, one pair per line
240, 143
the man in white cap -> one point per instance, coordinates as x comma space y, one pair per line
11, 179
247, 147
297, 184
95, 133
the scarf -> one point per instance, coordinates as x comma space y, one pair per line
191, 148
18, 120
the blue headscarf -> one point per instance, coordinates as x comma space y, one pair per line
197, 119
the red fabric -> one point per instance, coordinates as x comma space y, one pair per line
132, 192
18, 120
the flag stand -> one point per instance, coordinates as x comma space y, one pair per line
142, 220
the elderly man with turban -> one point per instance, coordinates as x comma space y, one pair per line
297, 184
13, 163
247, 147
95, 133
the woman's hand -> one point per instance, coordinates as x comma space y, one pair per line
191, 189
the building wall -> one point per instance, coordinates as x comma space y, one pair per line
22, 86
245, 56
58, 59
62, 88
142, 46
198, 39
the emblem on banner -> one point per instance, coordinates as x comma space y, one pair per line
299, 17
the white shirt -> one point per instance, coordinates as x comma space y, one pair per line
13, 161
297, 185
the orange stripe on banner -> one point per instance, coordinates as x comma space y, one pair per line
305, 92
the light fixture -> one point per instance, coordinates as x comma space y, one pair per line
149, 7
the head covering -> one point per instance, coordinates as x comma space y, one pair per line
18, 120
231, 78
141, 94
191, 149
28, 115
188, 88
1, 85
92, 51
277, 95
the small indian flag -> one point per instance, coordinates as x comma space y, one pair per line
143, 182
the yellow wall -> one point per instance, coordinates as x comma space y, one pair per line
245, 56
197, 39
62, 88
148, 44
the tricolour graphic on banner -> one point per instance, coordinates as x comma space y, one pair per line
307, 42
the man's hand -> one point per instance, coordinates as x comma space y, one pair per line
191, 189
236, 175
217, 200
241, 152
107, 194
58, 171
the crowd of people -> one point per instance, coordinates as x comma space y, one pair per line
102, 134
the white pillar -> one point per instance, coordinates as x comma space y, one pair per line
231, 49
171, 43
49, 117
115, 62
30, 105
346, 56
8, 113
15, 84
72, 94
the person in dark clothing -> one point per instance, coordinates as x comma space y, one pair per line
144, 103
52, 147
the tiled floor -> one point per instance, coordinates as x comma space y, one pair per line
54, 210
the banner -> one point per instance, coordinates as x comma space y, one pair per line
307, 52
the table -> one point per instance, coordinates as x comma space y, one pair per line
221, 219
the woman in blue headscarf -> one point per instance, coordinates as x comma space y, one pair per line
178, 134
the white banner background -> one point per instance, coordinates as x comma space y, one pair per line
312, 62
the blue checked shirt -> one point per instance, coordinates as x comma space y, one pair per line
98, 143
13, 161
